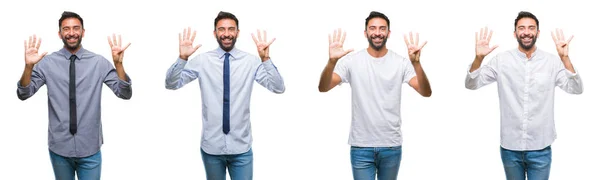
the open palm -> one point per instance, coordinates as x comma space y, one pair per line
186, 44
117, 50
336, 45
31, 51
261, 44
562, 45
414, 49
482, 40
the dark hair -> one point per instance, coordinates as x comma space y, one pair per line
375, 14
525, 14
68, 14
226, 15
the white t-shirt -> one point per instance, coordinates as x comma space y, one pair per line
376, 90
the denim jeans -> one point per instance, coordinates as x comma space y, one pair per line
239, 166
367, 162
87, 168
533, 164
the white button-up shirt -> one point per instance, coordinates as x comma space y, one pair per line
526, 92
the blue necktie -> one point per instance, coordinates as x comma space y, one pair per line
226, 94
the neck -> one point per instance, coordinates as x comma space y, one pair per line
377, 53
528, 52
73, 51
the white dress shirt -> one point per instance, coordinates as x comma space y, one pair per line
526, 92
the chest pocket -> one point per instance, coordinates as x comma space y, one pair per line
543, 81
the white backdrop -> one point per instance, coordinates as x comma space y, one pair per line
301, 134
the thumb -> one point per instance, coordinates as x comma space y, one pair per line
197, 46
348, 51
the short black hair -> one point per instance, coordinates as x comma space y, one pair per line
375, 14
226, 15
525, 14
69, 14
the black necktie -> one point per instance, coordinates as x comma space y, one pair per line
226, 94
72, 101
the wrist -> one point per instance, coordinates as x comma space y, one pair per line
29, 66
265, 58
183, 57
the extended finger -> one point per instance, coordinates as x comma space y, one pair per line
260, 39
406, 40
330, 40
343, 38
187, 36
568, 41
120, 40
489, 38
40, 41
265, 36
480, 33
422, 45
29, 44
485, 35
109, 41
114, 38
270, 42
254, 38
554, 37
193, 36
125, 47
417, 39
411, 38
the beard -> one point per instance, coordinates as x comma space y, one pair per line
71, 46
377, 47
222, 38
527, 47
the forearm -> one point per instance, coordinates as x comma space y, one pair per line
326, 76
26, 76
476, 63
120, 71
424, 86
567, 62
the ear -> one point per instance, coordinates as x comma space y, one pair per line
82, 33
59, 35
389, 33
215, 33
515, 34
366, 35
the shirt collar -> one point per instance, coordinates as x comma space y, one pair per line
524, 56
80, 53
233, 53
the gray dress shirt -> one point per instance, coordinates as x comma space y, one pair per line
208, 69
92, 70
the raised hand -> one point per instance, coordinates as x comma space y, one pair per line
31, 50
562, 45
186, 44
414, 49
482, 42
117, 50
262, 45
336, 45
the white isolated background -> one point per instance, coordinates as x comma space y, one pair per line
301, 134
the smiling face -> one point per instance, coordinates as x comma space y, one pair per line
71, 32
226, 33
377, 32
526, 33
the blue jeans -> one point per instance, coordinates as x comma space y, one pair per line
87, 168
370, 161
533, 164
239, 165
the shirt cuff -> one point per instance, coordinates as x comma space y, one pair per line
473, 74
268, 65
124, 84
572, 75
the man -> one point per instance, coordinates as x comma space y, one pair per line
74, 76
376, 75
226, 77
526, 78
